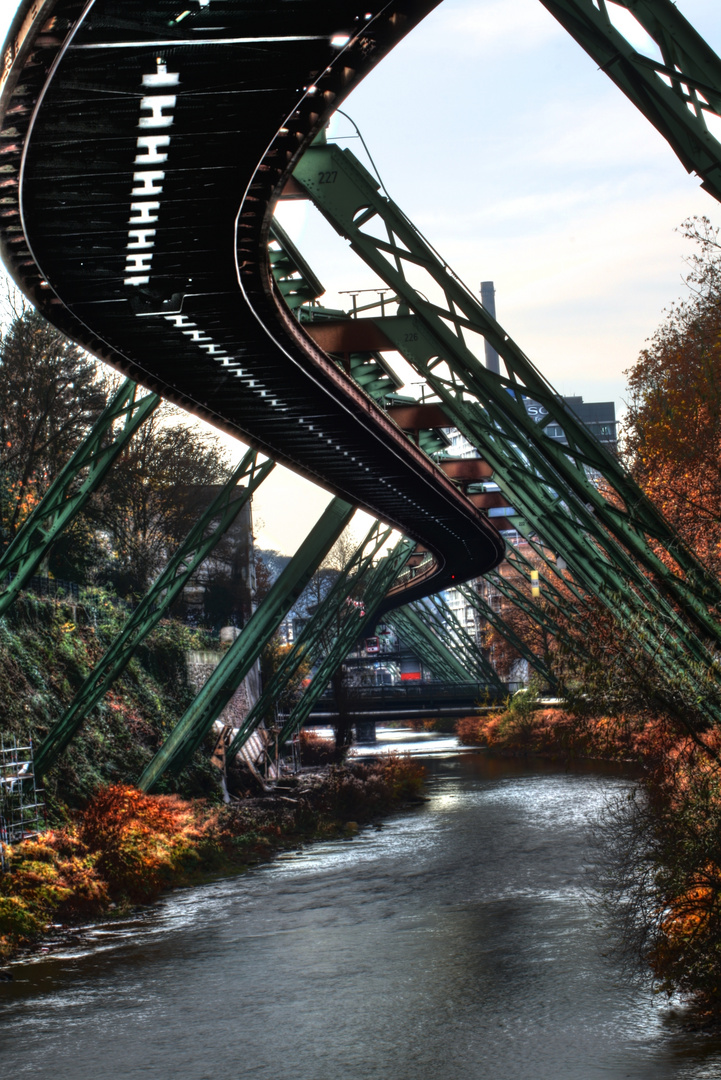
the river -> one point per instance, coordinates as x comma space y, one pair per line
455, 941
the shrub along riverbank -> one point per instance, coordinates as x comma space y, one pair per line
663, 859
125, 847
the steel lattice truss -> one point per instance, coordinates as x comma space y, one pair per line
199, 717
616, 543
378, 579
322, 626
430, 645
676, 84
202, 538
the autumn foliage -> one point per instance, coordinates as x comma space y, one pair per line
139, 841
314, 749
126, 847
673, 432
558, 733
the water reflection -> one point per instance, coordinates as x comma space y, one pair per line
455, 941
406, 741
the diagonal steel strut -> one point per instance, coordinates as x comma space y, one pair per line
200, 716
61, 502
611, 543
436, 657
379, 580
218, 518
311, 637
676, 92
496, 620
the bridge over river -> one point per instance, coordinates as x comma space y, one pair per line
407, 701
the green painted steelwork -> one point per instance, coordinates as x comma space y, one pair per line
301, 288
201, 540
433, 341
553, 599
550, 575
429, 647
506, 631
379, 579
423, 643
438, 616
64, 498
311, 638
610, 545
295, 279
675, 93
539, 613
200, 716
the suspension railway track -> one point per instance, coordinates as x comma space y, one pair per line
143, 148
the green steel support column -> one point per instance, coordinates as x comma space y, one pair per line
676, 92
513, 469
448, 617
659, 641
311, 636
381, 577
594, 569
295, 279
604, 568
516, 559
446, 626
444, 623
200, 716
526, 604
680, 655
432, 644
61, 503
499, 623
489, 408
221, 514
425, 644
550, 594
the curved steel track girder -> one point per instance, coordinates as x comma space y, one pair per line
143, 146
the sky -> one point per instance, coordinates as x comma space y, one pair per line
523, 164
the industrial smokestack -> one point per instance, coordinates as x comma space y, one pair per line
488, 299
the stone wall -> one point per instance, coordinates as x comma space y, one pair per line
201, 665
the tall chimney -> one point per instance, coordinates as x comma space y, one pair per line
488, 299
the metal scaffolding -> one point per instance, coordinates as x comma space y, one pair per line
22, 809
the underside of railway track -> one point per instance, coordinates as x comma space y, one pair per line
146, 155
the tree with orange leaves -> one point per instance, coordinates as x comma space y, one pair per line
673, 430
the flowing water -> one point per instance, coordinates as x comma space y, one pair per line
454, 942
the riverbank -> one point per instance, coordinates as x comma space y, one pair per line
664, 843
524, 729
126, 848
